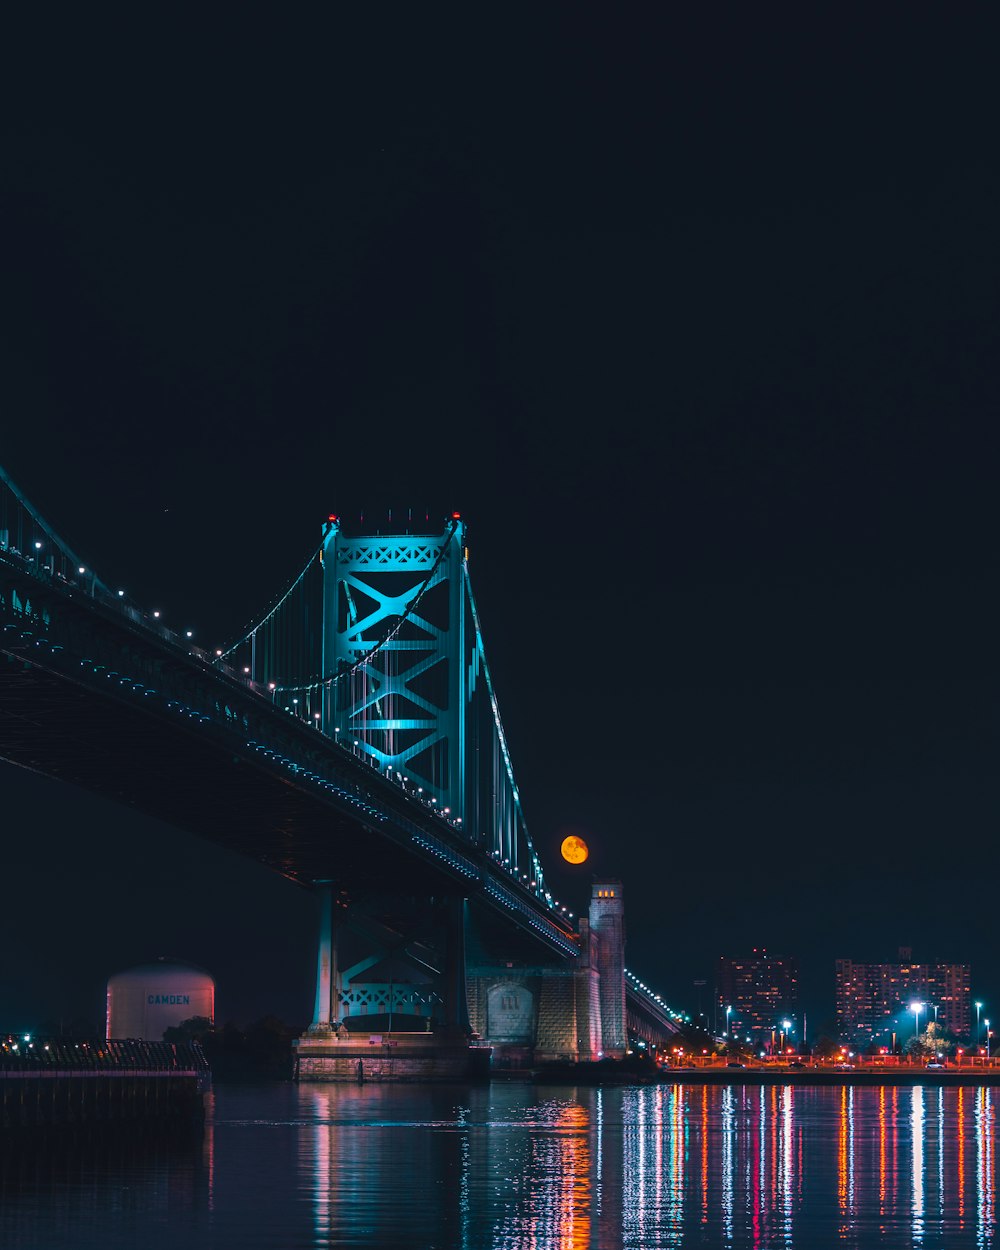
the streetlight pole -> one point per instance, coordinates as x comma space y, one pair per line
785, 1026
978, 1009
916, 1008
728, 1013
987, 1041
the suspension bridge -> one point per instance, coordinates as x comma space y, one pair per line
351, 739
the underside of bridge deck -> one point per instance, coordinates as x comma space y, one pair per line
183, 777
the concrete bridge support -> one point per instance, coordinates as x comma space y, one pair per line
525, 1014
546, 1013
399, 1011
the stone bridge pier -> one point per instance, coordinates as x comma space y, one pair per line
549, 1012
451, 1009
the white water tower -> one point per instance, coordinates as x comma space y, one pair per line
144, 1001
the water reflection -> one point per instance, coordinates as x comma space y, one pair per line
80, 1188
519, 1167
663, 1165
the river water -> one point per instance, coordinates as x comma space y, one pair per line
517, 1166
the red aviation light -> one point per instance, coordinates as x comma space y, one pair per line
333, 518
456, 516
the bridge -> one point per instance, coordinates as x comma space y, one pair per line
351, 740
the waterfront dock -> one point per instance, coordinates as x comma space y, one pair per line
51, 1083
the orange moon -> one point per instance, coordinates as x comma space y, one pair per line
574, 849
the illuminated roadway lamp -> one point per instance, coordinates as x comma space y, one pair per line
38, 546
187, 633
81, 569
156, 615
121, 594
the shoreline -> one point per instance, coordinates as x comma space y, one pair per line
579, 1074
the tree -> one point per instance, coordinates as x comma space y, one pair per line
935, 1040
825, 1046
194, 1029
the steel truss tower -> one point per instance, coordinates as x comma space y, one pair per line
396, 636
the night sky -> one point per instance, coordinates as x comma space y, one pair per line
698, 329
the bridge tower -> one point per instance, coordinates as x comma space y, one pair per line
396, 639
406, 688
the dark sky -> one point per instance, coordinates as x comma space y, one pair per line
697, 325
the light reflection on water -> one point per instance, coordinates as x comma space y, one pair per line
517, 1167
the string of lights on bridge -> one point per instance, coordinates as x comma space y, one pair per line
641, 988
153, 620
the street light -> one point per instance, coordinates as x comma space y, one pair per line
916, 1008
728, 1013
785, 1026
978, 1009
987, 1038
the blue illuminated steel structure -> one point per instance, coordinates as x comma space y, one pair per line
377, 640
394, 636
377, 644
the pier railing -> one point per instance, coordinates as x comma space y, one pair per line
24, 1052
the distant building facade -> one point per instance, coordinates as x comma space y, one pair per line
873, 1000
761, 989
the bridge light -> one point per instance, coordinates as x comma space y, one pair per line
38, 546
121, 594
272, 685
81, 569
156, 615
246, 668
219, 652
